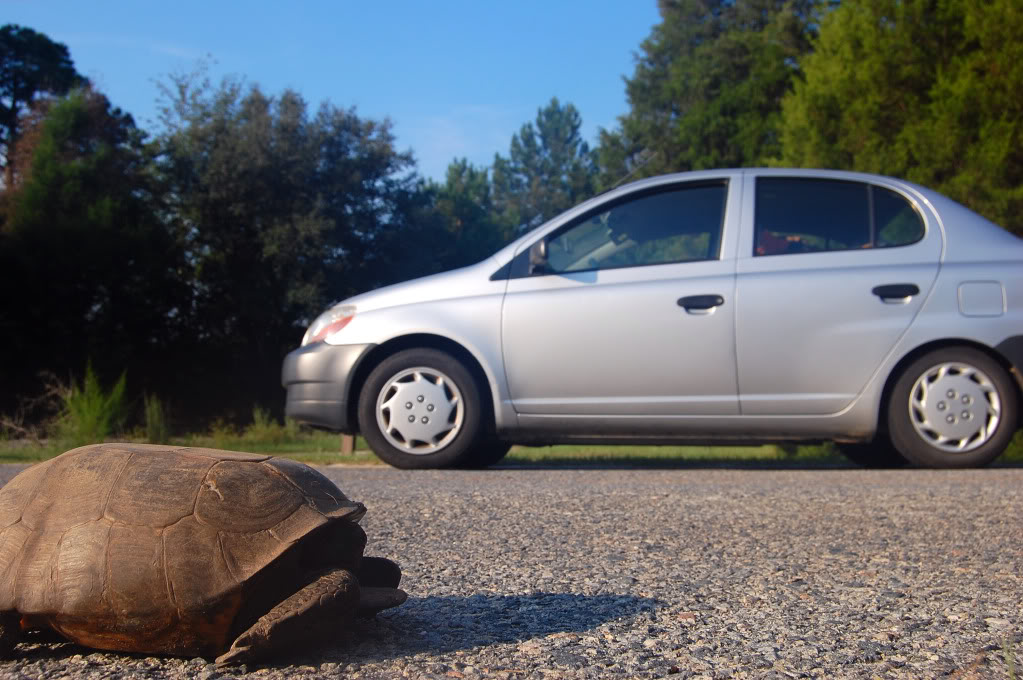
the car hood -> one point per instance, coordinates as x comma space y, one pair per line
458, 283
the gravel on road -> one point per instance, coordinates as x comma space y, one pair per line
696, 573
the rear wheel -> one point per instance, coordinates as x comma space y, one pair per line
420, 408
952, 408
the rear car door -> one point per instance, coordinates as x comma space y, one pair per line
833, 272
633, 313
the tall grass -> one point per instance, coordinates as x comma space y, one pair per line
265, 434
157, 417
89, 414
265, 429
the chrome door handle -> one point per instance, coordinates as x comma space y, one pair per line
694, 303
896, 293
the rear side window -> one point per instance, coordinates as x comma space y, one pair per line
795, 215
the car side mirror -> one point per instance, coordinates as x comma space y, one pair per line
538, 257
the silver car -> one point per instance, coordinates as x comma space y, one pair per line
756, 305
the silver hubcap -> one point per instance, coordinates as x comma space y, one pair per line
420, 410
955, 407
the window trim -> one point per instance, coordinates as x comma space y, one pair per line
519, 268
871, 187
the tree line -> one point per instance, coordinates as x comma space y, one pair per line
192, 256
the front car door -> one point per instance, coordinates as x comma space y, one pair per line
831, 272
632, 314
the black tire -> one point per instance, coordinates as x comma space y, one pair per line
487, 453
877, 455
954, 407
441, 397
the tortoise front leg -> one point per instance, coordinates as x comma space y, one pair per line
378, 581
379, 572
315, 612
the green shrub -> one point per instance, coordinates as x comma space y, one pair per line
157, 420
223, 433
1014, 452
264, 429
88, 414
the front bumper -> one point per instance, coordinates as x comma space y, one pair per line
318, 378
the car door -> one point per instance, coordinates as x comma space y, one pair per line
833, 272
631, 312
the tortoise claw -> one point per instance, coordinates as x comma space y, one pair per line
373, 600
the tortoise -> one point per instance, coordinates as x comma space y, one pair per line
183, 551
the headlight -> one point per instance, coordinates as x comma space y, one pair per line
329, 323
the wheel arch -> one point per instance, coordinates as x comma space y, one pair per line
910, 357
420, 341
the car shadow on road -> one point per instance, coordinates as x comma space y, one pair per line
656, 463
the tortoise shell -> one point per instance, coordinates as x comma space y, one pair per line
157, 548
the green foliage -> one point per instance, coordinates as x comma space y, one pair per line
476, 210
466, 206
157, 420
449, 225
707, 87
90, 414
265, 429
19, 451
282, 209
548, 170
97, 271
266, 435
30, 65
1014, 452
972, 146
869, 76
918, 89
223, 434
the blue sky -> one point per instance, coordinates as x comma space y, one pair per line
456, 77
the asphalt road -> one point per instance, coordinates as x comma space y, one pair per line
711, 573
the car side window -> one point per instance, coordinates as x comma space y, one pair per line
896, 222
677, 225
802, 215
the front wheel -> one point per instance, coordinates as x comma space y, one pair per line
420, 408
953, 408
